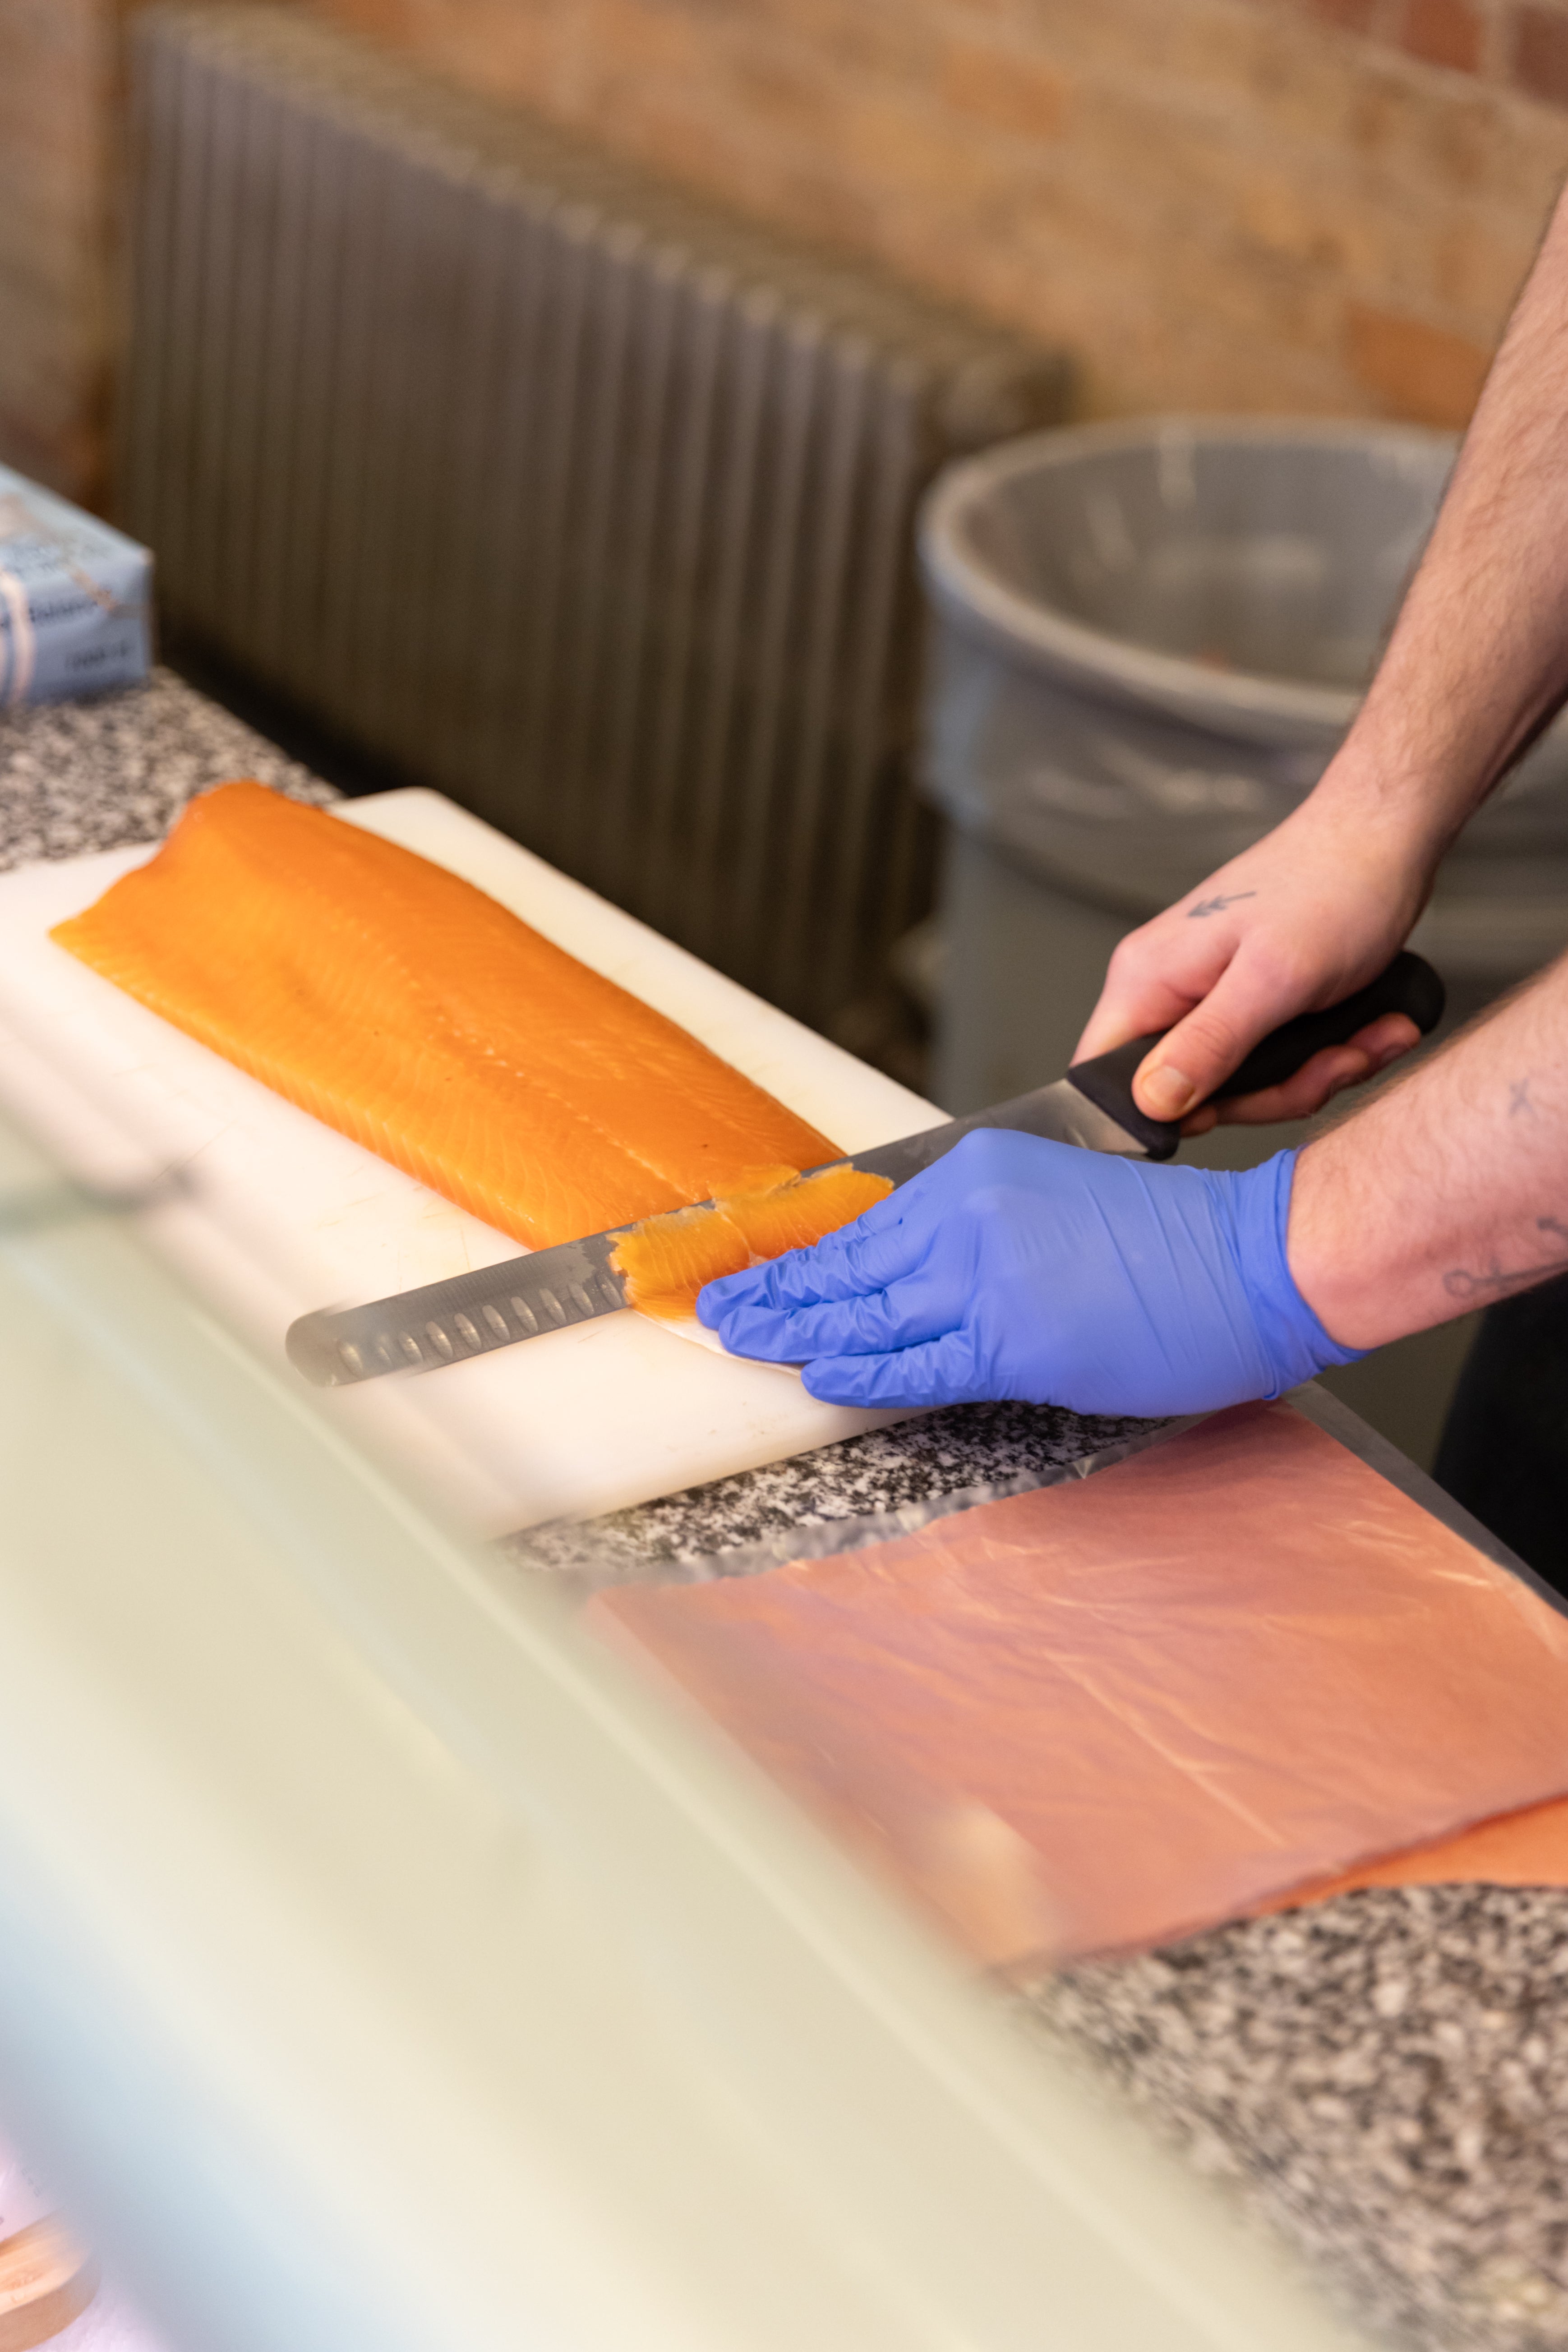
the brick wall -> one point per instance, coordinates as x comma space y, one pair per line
1318, 206
1307, 205
1521, 44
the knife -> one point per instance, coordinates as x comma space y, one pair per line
549, 1289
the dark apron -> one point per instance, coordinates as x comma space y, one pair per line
1504, 1451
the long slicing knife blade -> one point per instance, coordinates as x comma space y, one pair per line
467, 1315
549, 1289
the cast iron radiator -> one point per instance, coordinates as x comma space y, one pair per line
553, 486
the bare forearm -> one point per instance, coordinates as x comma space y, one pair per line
1477, 664
1478, 660
1448, 1190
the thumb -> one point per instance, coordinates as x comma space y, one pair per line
1214, 1038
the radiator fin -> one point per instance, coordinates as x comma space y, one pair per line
547, 483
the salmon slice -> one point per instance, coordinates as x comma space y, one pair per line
794, 1215
405, 1008
666, 1261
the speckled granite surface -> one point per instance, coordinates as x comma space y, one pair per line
730, 1527
1384, 2078
76, 776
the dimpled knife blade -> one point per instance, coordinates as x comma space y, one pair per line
573, 1282
467, 1315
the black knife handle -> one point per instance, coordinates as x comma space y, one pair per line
1409, 985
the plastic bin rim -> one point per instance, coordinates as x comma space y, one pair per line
1470, 933
968, 592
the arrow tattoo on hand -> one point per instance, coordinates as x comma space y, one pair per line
1217, 906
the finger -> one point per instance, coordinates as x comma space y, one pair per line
843, 1266
1386, 1038
943, 1371
1314, 1084
1326, 1074
1153, 980
716, 1298
1251, 997
906, 1314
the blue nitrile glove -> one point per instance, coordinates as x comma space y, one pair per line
1019, 1268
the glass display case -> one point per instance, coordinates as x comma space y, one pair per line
381, 1965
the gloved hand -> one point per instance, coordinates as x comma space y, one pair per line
1019, 1268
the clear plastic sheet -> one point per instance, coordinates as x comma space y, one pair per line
1523, 1849
1100, 1715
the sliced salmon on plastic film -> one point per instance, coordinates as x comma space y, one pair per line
1104, 1714
666, 1261
1529, 1848
402, 1006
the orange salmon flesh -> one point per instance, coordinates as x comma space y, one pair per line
395, 1001
666, 1261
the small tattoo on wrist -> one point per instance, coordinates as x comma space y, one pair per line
1217, 906
1519, 1098
1500, 1282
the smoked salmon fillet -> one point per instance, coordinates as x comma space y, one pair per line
403, 1007
666, 1261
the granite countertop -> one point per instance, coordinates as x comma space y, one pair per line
77, 776
1382, 2078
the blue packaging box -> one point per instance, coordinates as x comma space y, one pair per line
76, 599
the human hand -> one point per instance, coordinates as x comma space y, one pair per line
1019, 1268
1307, 915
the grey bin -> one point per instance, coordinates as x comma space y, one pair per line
1147, 641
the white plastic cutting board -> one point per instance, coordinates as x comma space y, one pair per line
282, 1214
